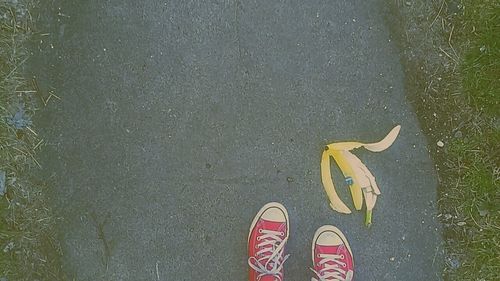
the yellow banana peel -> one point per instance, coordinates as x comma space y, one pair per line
349, 171
326, 177
361, 181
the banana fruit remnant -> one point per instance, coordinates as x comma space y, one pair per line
361, 181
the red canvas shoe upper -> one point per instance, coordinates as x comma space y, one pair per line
332, 256
266, 243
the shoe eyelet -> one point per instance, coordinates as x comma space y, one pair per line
258, 238
260, 230
342, 256
282, 233
344, 265
318, 256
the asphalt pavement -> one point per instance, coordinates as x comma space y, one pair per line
178, 120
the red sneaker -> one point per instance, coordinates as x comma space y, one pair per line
266, 243
332, 255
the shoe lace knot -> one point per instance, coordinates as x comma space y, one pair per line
332, 269
269, 259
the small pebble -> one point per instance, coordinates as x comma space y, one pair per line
392, 259
462, 223
8, 247
289, 179
483, 212
453, 263
440, 143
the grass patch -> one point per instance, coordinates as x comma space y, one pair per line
476, 157
28, 250
450, 50
480, 69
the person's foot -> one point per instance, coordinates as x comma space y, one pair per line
332, 255
266, 243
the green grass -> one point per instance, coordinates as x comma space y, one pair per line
28, 250
480, 69
476, 201
472, 190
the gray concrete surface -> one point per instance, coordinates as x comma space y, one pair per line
179, 120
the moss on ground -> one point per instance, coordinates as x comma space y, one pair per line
450, 49
28, 250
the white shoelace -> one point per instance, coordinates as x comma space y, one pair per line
271, 248
332, 269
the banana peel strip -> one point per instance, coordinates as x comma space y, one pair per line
335, 202
363, 184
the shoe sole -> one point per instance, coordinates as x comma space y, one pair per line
262, 210
331, 228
